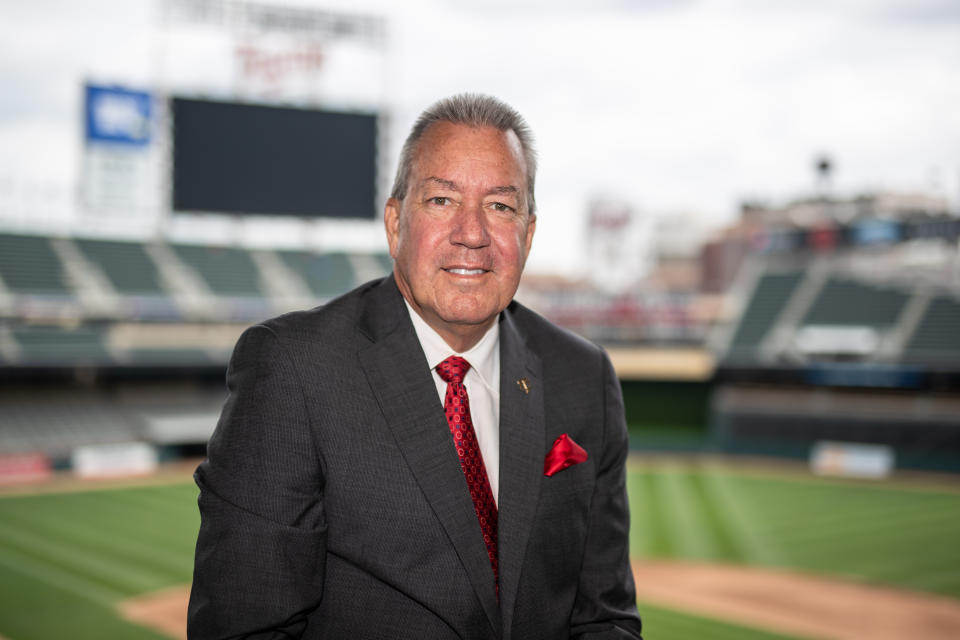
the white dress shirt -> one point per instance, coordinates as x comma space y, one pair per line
482, 382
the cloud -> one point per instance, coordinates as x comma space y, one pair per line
690, 104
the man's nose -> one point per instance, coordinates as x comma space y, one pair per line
471, 227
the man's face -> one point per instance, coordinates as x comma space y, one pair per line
461, 235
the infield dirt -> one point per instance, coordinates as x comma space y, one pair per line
164, 611
796, 603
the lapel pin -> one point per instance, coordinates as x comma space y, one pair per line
522, 382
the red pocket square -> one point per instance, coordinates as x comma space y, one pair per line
564, 453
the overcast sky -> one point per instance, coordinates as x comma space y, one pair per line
682, 106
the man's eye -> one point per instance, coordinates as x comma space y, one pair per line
499, 206
439, 200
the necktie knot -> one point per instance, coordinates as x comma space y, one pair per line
453, 369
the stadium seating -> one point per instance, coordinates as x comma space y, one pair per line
51, 345
126, 264
134, 311
328, 275
28, 264
130, 304
845, 302
908, 329
780, 394
228, 271
55, 419
936, 339
768, 299
57, 426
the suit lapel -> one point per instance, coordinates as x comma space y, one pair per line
399, 376
521, 457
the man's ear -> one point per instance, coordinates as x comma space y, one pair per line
391, 222
531, 227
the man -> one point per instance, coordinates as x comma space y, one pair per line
422, 458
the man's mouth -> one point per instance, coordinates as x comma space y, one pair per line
461, 271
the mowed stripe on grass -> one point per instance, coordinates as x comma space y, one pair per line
68, 560
883, 533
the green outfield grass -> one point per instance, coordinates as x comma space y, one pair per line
891, 533
67, 559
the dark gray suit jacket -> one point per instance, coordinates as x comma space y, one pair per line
333, 504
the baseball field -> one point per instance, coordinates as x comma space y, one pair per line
722, 551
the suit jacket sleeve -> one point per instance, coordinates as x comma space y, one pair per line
605, 606
261, 549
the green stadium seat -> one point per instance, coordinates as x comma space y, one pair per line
848, 303
228, 271
768, 299
126, 264
29, 265
327, 274
937, 337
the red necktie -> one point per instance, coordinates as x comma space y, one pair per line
457, 407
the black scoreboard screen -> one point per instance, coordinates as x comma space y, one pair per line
266, 160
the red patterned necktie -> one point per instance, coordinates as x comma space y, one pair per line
457, 407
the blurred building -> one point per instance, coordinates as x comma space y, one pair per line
618, 246
642, 286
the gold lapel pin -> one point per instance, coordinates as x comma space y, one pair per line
522, 382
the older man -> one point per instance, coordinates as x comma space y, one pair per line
423, 457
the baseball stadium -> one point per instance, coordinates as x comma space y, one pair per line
791, 379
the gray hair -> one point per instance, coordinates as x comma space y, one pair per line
475, 110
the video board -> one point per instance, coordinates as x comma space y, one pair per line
239, 158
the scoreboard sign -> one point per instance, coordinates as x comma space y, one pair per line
120, 179
115, 115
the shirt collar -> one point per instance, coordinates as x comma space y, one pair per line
481, 356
